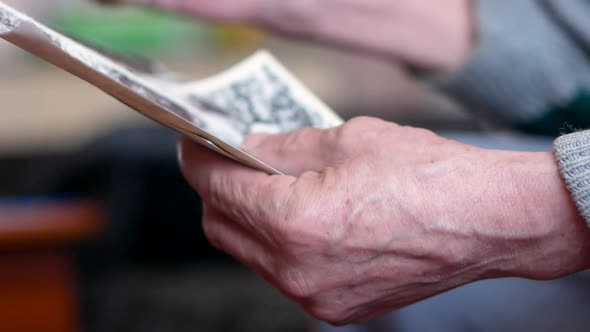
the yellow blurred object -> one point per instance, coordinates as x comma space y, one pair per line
240, 36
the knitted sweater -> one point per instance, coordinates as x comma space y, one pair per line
531, 70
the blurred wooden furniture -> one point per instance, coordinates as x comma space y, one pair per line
38, 281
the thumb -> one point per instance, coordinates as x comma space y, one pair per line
219, 10
293, 153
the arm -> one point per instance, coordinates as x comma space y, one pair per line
422, 34
376, 216
385, 215
525, 63
531, 69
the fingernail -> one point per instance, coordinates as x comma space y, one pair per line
253, 141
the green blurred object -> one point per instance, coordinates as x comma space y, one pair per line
135, 31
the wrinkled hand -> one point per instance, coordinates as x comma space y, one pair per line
375, 216
434, 35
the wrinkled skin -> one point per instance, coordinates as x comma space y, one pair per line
375, 216
428, 35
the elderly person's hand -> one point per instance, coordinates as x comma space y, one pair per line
434, 35
375, 216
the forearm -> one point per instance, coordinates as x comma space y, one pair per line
555, 191
530, 72
515, 218
557, 241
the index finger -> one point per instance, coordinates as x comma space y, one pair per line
241, 193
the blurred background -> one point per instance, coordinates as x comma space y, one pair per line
98, 231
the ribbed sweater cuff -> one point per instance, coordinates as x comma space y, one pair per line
523, 66
573, 157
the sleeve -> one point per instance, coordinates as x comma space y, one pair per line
573, 157
531, 68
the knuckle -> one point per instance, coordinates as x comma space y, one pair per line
364, 123
302, 135
328, 314
360, 129
421, 132
211, 233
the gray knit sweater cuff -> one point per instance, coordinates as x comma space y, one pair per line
573, 156
524, 64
